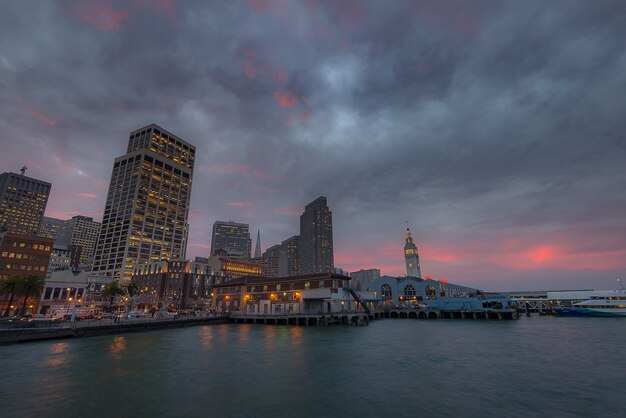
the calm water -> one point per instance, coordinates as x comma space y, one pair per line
532, 367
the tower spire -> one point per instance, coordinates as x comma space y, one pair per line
411, 256
257, 249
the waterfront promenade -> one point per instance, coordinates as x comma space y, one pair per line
20, 331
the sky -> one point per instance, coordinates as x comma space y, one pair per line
494, 129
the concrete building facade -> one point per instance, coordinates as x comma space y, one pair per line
147, 206
80, 231
23, 202
50, 227
232, 237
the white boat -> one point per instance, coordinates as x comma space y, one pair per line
609, 305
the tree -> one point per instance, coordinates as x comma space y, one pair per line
111, 290
10, 285
30, 285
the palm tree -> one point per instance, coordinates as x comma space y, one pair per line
30, 285
10, 285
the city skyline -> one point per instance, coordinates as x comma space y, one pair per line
507, 165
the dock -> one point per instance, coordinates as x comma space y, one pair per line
364, 318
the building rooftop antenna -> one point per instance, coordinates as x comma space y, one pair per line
23, 170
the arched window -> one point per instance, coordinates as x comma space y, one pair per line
385, 291
431, 292
409, 291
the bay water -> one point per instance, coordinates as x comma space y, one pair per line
532, 367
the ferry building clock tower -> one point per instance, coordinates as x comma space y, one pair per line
411, 258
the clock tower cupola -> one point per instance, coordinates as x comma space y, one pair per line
411, 257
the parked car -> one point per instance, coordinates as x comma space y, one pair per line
135, 314
40, 317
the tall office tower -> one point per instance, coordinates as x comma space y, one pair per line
22, 202
271, 258
50, 227
145, 217
316, 238
232, 237
411, 257
257, 249
288, 263
81, 231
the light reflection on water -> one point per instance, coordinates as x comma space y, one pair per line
530, 367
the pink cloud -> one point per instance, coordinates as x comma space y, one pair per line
41, 117
294, 118
285, 98
86, 195
102, 16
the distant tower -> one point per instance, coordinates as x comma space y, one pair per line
411, 258
257, 249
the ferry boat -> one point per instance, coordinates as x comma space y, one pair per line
610, 305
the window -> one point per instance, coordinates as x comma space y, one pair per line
385, 291
409, 290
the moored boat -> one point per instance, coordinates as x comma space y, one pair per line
609, 305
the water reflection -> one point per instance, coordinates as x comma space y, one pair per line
206, 337
58, 355
117, 347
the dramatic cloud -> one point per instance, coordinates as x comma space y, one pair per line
495, 128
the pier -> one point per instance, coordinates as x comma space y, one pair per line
364, 318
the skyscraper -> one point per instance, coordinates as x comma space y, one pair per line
316, 238
81, 231
257, 249
232, 237
23, 202
145, 217
411, 257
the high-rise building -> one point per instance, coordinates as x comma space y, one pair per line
288, 264
411, 257
50, 227
232, 237
272, 260
81, 231
23, 202
257, 249
145, 217
316, 238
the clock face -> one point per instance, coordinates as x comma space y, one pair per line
411, 265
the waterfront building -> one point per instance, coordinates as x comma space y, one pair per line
50, 227
23, 202
411, 257
315, 248
80, 231
147, 206
186, 283
23, 255
315, 293
66, 289
362, 280
232, 237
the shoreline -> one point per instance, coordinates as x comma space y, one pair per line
26, 335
